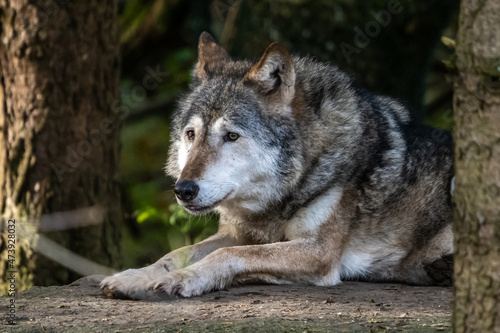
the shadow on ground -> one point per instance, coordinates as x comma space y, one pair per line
350, 307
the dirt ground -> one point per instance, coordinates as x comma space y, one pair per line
350, 307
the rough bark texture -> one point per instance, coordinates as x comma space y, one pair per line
59, 130
477, 192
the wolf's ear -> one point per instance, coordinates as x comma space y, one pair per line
275, 74
210, 54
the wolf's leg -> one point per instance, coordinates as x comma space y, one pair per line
441, 271
300, 260
188, 255
430, 265
414, 271
133, 283
259, 278
318, 235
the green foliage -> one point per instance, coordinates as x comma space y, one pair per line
151, 213
193, 228
144, 151
175, 217
179, 64
197, 228
163, 231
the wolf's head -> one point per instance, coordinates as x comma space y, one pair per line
234, 137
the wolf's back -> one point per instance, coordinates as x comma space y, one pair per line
399, 169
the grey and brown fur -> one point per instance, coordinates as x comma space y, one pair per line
324, 181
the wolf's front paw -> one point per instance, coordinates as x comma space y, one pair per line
183, 283
129, 284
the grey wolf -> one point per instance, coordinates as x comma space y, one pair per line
315, 179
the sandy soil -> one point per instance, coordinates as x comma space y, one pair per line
350, 307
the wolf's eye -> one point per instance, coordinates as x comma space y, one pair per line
231, 137
190, 135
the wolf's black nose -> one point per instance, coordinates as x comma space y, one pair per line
186, 190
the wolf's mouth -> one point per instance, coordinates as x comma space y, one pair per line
200, 210
194, 208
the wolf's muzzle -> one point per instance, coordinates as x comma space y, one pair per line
186, 190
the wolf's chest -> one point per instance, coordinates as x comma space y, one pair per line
264, 233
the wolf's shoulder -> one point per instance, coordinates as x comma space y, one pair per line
312, 73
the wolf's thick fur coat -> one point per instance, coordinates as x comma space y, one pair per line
316, 180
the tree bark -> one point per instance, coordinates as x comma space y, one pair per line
477, 151
59, 136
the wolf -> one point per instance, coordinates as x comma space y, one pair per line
315, 179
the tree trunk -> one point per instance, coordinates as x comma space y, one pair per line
59, 139
477, 151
